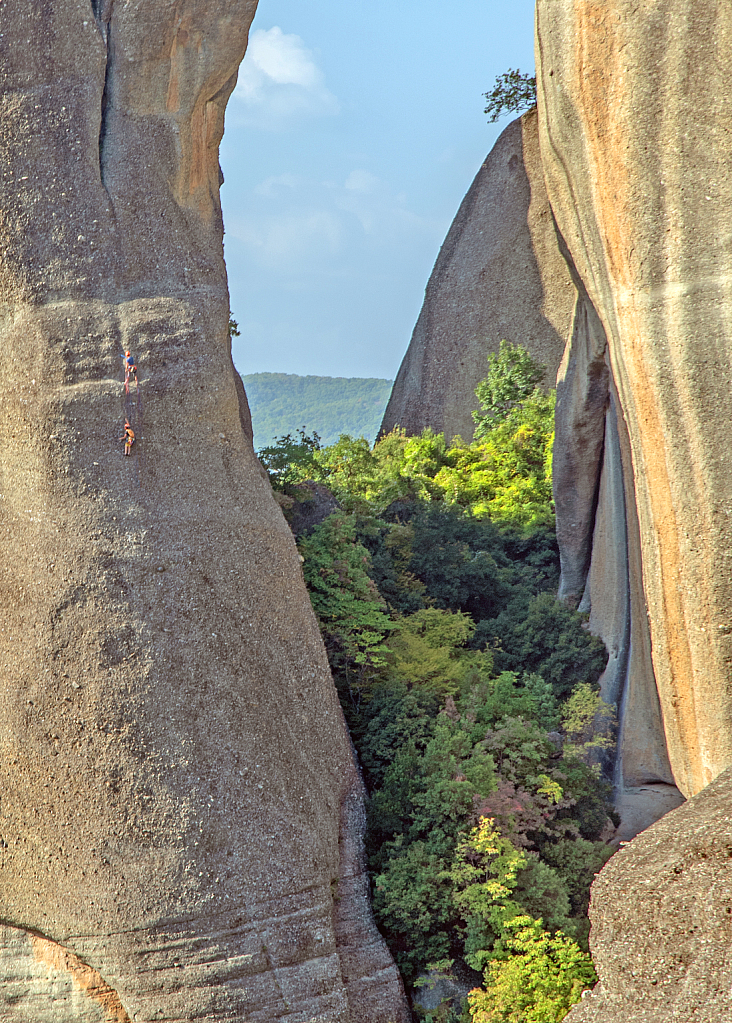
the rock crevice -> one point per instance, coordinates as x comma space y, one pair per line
637, 212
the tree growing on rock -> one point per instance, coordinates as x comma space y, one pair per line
513, 93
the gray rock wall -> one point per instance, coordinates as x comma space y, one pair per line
601, 568
499, 275
180, 807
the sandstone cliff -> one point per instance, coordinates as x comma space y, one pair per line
635, 115
635, 119
601, 562
499, 275
180, 813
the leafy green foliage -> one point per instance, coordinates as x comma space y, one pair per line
348, 606
281, 403
505, 477
484, 875
512, 376
233, 327
577, 861
412, 899
469, 690
398, 717
291, 459
506, 695
538, 982
426, 648
581, 713
545, 636
512, 93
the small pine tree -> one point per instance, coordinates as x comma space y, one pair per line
512, 93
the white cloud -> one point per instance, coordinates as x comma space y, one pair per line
295, 225
276, 185
378, 209
361, 181
279, 81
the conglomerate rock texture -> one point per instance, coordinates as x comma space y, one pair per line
635, 116
661, 915
180, 813
499, 275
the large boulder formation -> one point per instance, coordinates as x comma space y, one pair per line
181, 815
635, 116
661, 917
499, 275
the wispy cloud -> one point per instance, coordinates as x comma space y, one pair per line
279, 81
381, 212
299, 225
291, 238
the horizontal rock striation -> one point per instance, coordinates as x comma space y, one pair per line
635, 117
179, 821
499, 275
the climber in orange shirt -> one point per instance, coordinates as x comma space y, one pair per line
129, 437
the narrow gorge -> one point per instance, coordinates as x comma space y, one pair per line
634, 117
181, 811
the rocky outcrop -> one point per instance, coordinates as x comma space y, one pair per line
661, 917
635, 154
180, 822
499, 275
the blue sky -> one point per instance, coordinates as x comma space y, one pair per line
351, 139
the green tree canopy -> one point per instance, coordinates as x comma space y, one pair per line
512, 376
539, 983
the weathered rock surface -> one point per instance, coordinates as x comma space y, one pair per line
597, 531
661, 917
499, 275
312, 504
180, 815
635, 117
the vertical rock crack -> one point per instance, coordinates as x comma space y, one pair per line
102, 10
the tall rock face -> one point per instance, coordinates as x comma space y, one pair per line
601, 563
180, 813
499, 275
504, 271
635, 116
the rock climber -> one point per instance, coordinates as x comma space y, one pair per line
129, 437
130, 370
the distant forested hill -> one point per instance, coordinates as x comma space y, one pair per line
282, 403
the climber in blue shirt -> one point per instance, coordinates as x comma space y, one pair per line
130, 370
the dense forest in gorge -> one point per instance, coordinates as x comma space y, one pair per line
471, 696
